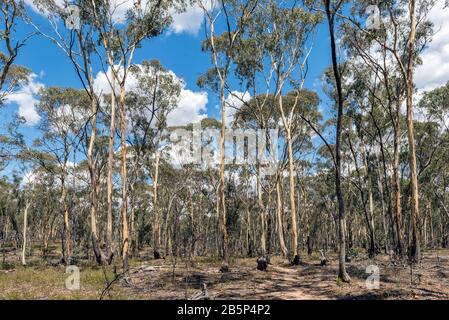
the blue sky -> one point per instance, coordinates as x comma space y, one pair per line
178, 51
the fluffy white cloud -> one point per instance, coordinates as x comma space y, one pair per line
189, 21
25, 99
434, 71
191, 108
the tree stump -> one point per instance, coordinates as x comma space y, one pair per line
262, 264
296, 261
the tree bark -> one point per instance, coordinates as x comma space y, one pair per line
157, 224
110, 186
25, 224
124, 209
99, 256
342, 274
414, 247
261, 208
66, 247
279, 215
221, 198
397, 183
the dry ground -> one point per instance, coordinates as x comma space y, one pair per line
167, 279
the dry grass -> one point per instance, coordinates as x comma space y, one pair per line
164, 279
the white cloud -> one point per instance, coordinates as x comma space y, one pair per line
191, 108
189, 21
102, 85
25, 98
434, 71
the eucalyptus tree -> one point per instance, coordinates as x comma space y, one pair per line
378, 82
156, 95
356, 140
261, 114
45, 203
236, 15
332, 10
287, 46
435, 105
26, 195
120, 37
408, 71
11, 206
432, 146
12, 76
5, 207
402, 36
72, 30
255, 76
250, 115
62, 122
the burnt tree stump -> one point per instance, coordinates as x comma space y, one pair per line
296, 260
262, 264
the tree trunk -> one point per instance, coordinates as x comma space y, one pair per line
371, 214
24, 240
66, 248
294, 248
382, 201
157, 224
342, 274
110, 186
371, 224
291, 168
397, 184
124, 210
279, 215
132, 222
261, 208
221, 198
99, 257
414, 249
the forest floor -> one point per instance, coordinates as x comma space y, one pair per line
169, 279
